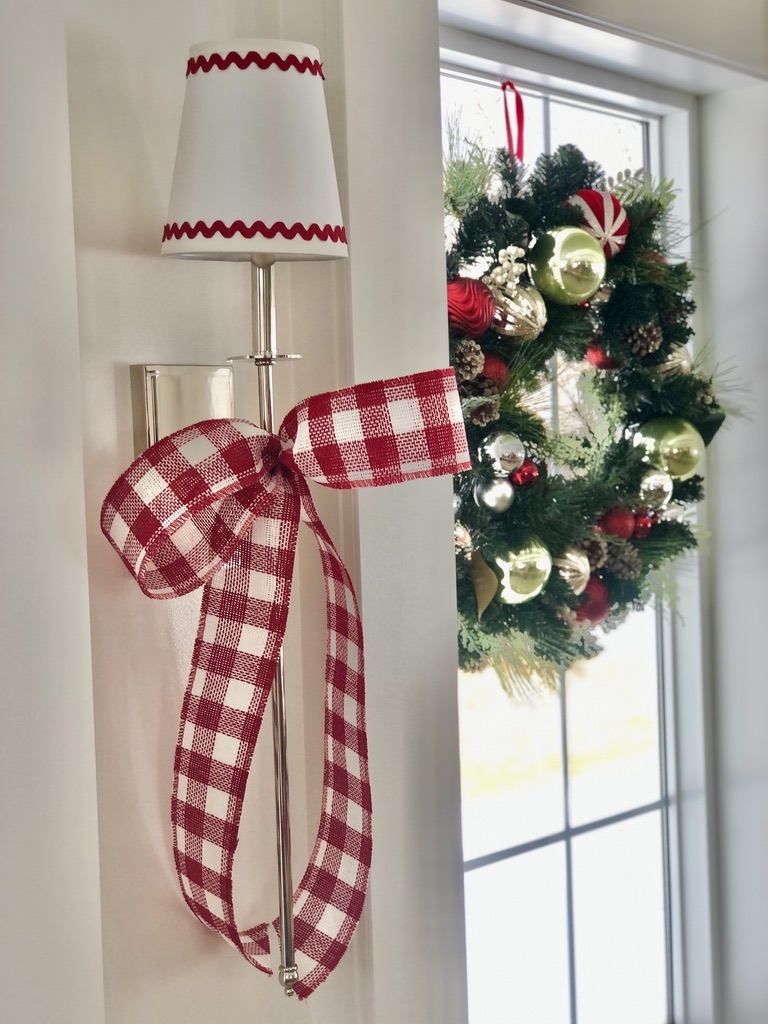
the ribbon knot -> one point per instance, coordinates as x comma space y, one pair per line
218, 505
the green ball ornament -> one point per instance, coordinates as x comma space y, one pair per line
567, 265
672, 444
524, 573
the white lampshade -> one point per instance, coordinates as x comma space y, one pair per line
254, 167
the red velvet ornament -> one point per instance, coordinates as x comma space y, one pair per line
470, 307
644, 522
604, 218
595, 603
618, 522
598, 357
525, 475
496, 370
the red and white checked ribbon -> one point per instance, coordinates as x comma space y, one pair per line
218, 505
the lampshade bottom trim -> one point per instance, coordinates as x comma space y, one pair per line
327, 233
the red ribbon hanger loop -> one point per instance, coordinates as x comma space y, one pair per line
514, 150
217, 505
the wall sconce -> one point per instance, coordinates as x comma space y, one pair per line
254, 181
218, 505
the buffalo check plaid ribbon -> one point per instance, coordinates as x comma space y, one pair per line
218, 505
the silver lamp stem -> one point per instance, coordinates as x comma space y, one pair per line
264, 358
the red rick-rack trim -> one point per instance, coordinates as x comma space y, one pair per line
327, 233
243, 61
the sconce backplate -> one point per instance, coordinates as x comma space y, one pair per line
168, 397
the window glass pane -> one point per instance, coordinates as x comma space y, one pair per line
517, 951
479, 108
613, 723
511, 766
619, 923
615, 142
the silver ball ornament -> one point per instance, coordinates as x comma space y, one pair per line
506, 451
677, 363
575, 569
496, 495
520, 314
656, 489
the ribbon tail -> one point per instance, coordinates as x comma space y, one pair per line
330, 897
242, 625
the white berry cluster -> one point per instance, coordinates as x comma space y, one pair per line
504, 277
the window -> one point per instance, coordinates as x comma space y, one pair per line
565, 802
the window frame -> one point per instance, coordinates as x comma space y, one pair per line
687, 750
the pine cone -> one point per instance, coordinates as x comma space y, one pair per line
469, 360
596, 550
643, 341
480, 387
671, 315
624, 561
486, 413
488, 388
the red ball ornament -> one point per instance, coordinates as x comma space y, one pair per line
598, 357
618, 522
595, 603
525, 475
496, 370
604, 218
644, 522
470, 307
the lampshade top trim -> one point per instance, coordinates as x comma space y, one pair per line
223, 61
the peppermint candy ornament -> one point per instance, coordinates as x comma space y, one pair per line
604, 218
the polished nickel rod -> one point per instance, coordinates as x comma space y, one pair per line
263, 313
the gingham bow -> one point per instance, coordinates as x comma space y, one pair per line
219, 504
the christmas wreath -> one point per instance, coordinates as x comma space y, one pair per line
586, 418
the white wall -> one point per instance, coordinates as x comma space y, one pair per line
50, 952
735, 151
102, 86
733, 32
397, 263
